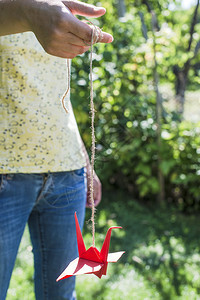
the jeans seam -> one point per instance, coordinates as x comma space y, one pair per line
44, 263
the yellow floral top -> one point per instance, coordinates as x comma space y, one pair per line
36, 134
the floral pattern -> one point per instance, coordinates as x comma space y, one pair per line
36, 134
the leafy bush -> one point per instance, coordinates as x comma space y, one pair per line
184, 174
126, 129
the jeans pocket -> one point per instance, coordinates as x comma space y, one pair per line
65, 188
79, 173
3, 182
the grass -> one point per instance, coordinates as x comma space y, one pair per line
162, 259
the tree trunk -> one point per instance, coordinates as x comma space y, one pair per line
182, 74
180, 86
161, 194
121, 8
155, 27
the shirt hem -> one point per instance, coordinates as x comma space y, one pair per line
42, 170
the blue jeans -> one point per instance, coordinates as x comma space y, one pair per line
47, 202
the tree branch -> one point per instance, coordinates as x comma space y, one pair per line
121, 8
196, 50
187, 64
144, 27
194, 21
152, 12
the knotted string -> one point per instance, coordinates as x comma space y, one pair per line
96, 36
92, 111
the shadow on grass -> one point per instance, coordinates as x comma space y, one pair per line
161, 244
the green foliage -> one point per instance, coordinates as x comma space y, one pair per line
125, 101
185, 173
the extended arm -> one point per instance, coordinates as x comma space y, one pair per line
12, 17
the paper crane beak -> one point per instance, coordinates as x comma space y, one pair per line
106, 244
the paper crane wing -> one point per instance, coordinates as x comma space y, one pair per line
80, 266
114, 257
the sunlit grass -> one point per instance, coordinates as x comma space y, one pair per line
162, 259
21, 286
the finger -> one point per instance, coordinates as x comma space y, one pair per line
97, 192
83, 9
76, 50
74, 40
62, 48
105, 38
99, 35
62, 53
87, 36
76, 27
97, 201
81, 29
68, 39
88, 202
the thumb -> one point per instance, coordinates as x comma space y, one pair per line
83, 9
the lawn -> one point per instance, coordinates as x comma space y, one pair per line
162, 259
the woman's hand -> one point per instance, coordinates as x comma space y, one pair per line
54, 23
97, 193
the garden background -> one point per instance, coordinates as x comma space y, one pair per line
147, 101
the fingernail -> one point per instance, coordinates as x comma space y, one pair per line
99, 8
111, 39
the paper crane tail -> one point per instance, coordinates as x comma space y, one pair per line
80, 242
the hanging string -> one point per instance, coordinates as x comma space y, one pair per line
96, 37
92, 111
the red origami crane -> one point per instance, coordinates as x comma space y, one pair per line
91, 261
